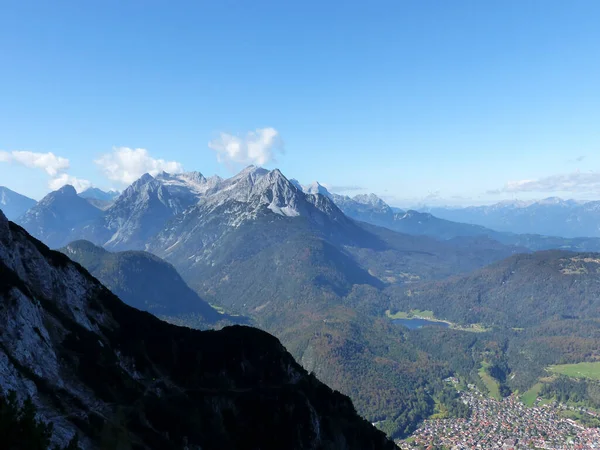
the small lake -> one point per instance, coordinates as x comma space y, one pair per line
413, 324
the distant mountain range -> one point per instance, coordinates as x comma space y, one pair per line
373, 210
552, 216
120, 378
99, 198
99, 194
14, 205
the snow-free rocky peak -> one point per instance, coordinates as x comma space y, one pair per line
258, 188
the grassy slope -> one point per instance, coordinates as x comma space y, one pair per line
532, 394
490, 383
589, 370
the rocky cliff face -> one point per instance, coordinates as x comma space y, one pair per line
121, 378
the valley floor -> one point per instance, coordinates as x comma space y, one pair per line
506, 424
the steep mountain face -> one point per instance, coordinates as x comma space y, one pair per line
252, 197
58, 217
521, 291
144, 208
260, 226
141, 211
14, 205
552, 216
121, 378
148, 283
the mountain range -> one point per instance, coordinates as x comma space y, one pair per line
552, 216
318, 270
120, 378
443, 224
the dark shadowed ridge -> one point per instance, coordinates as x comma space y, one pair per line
146, 282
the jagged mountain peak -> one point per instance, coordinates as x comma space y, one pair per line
371, 200
317, 188
145, 178
67, 189
553, 201
256, 187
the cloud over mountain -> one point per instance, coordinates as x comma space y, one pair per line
570, 182
48, 162
258, 147
125, 165
55, 166
63, 179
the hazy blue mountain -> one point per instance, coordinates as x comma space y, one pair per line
59, 217
552, 216
13, 204
373, 210
118, 377
99, 194
99, 198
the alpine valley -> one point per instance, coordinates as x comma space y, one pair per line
326, 274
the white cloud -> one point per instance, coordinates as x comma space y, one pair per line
55, 166
125, 165
63, 179
258, 147
570, 182
48, 162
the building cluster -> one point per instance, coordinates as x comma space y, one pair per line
506, 425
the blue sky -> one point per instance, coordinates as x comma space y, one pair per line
452, 102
